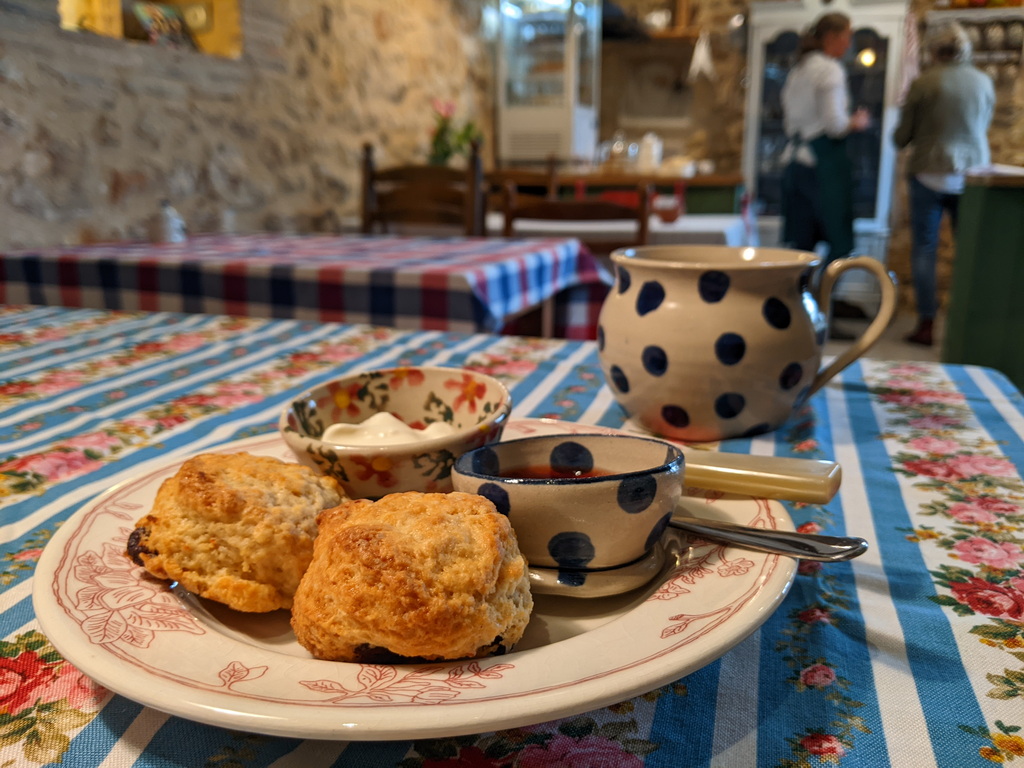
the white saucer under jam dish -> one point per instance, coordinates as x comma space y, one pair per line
606, 581
130, 632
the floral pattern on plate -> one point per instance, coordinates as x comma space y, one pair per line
260, 679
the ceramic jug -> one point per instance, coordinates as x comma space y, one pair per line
702, 343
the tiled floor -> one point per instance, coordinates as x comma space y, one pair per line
891, 346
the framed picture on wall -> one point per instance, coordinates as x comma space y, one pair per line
164, 25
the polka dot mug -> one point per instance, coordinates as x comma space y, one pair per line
702, 343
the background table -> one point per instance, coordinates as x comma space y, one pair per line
689, 229
439, 283
912, 655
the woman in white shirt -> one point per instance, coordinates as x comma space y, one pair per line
817, 183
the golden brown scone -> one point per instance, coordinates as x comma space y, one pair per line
413, 576
235, 528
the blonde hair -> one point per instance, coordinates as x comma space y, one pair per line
949, 43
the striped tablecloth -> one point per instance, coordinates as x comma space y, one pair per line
911, 655
415, 283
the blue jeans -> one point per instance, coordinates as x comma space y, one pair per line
926, 208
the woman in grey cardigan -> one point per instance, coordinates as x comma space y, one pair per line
945, 120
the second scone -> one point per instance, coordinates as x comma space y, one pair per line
412, 576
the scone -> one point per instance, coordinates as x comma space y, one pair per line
235, 528
421, 576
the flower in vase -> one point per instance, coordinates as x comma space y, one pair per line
447, 141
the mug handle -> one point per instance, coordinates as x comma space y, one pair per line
886, 311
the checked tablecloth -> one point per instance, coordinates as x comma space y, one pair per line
415, 283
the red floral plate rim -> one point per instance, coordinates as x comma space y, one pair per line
131, 633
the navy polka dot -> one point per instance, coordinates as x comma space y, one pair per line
730, 348
675, 415
624, 279
650, 297
655, 360
635, 494
657, 530
485, 462
571, 549
776, 313
757, 429
572, 578
791, 375
730, 405
568, 458
619, 379
497, 495
713, 286
600, 337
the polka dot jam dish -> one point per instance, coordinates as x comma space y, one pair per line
578, 502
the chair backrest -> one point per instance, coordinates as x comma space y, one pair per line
424, 194
530, 184
636, 212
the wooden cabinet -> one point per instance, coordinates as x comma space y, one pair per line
985, 320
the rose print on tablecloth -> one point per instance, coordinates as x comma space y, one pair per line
20, 563
43, 698
602, 739
973, 510
64, 460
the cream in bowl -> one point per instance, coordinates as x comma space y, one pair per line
396, 429
384, 428
580, 505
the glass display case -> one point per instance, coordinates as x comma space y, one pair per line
872, 65
548, 74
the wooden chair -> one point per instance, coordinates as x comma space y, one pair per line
530, 184
581, 211
436, 196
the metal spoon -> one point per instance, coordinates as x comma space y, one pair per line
805, 546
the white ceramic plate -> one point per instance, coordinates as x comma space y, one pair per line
202, 661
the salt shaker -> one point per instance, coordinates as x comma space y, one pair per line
649, 158
172, 226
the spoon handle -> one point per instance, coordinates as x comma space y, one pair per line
805, 546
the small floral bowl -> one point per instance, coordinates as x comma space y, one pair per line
476, 405
579, 503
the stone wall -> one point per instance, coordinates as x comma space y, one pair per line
95, 131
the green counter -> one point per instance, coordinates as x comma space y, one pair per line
985, 320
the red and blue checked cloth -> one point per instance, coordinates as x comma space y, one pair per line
413, 283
